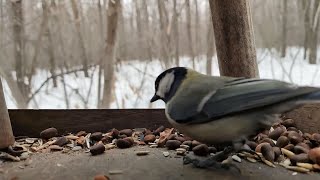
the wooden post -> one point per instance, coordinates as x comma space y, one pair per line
234, 38
6, 135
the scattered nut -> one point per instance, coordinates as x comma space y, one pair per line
149, 138
61, 141
127, 132
71, 137
101, 177
166, 153
282, 141
299, 158
212, 149
188, 143
305, 165
158, 130
258, 148
268, 152
97, 149
276, 133
288, 123
121, 143
294, 137
287, 152
195, 143
81, 140
289, 147
142, 153
314, 155
298, 169
55, 148
49, 133
81, 133
236, 158
252, 144
97, 136
186, 147
173, 144
201, 150
115, 133
181, 151
299, 149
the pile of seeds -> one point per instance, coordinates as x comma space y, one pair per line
282, 145
287, 146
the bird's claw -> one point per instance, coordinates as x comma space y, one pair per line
210, 162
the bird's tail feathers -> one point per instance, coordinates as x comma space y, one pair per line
313, 97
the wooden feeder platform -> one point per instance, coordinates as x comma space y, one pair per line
81, 165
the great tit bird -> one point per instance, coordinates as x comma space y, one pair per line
222, 110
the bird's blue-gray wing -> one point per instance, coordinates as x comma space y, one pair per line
245, 95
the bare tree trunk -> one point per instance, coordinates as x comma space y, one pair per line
83, 52
305, 8
234, 39
100, 62
164, 53
189, 32
197, 30
114, 8
139, 27
6, 134
43, 27
210, 48
314, 28
17, 20
50, 48
176, 32
148, 34
65, 91
284, 28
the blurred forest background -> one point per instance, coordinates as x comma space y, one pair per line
107, 53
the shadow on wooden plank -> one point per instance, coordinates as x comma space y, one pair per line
28, 122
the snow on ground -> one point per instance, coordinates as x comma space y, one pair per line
135, 81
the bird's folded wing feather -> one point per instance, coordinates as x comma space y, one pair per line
244, 95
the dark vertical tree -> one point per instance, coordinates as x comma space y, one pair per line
163, 18
210, 45
189, 32
18, 41
77, 20
234, 38
284, 28
176, 33
148, 34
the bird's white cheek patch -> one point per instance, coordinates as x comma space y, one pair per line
165, 84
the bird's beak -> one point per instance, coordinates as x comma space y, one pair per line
154, 98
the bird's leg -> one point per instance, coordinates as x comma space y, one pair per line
214, 161
239, 147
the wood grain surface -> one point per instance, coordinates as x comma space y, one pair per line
27, 122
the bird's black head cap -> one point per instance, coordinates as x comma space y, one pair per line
168, 82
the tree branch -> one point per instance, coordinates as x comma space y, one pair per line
55, 76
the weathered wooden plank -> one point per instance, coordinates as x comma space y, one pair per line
27, 122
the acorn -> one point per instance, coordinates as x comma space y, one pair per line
294, 137
258, 148
268, 140
314, 155
303, 158
267, 152
252, 144
288, 123
282, 141
276, 133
